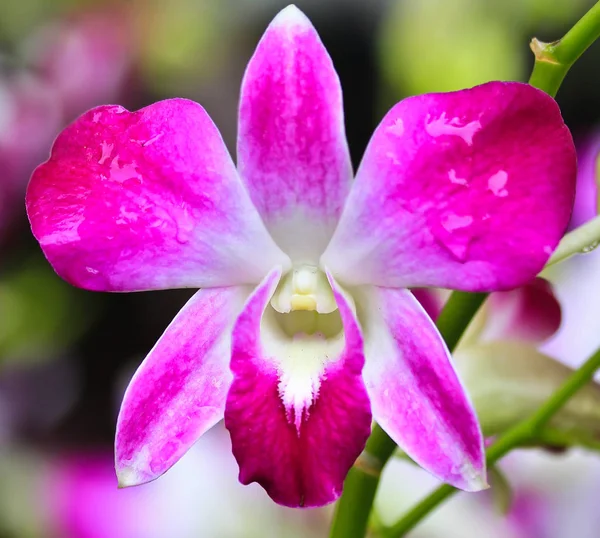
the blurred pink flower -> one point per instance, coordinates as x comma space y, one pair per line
86, 58
528, 513
80, 499
530, 313
554, 496
586, 194
74, 64
30, 115
577, 280
444, 197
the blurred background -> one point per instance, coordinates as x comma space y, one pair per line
66, 355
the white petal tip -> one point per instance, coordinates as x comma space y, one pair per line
291, 16
129, 477
471, 478
477, 483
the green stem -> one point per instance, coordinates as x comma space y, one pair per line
353, 509
419, 511
457, 314
521, 434
553, 60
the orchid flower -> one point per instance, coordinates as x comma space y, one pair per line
304, 330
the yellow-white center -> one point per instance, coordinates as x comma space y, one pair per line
304, 288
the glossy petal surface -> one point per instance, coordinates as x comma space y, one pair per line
147, 200
299, 453
415, 394
292, 150
179, 391
468, 190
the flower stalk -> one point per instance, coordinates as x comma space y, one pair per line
553, 60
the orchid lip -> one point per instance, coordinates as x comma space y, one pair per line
302, 327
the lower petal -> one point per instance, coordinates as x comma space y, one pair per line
179, 391
415, 394
296, 430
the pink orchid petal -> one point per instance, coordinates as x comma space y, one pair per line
146, 200
180, 389
292, 150
531, 313
467, 190
300, 452
415, 394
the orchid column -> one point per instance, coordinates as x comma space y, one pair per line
304, 330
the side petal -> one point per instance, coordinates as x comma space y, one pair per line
179, 391
415, 394
292, 149
468, 190
145, 200
299, 419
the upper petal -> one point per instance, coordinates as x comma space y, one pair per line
468, 190
146, 200
292, 150
415, 394
179, 390
297, 410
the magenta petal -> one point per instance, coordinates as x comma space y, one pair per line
179, 391
467, 190
531, 313
415, 394
292, 150
146, 200
299, 462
